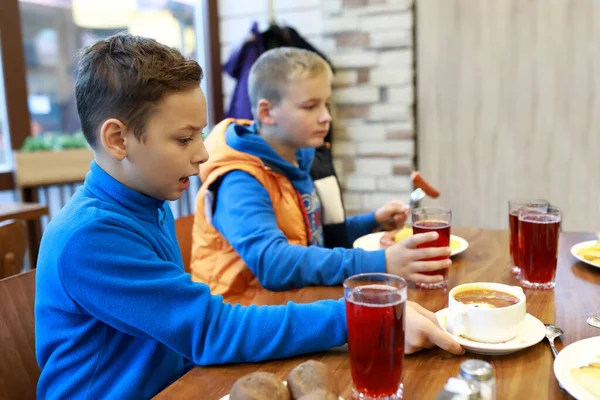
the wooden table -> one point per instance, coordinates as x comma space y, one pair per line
30, 212
526, 374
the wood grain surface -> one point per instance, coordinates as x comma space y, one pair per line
526, 374
19, 370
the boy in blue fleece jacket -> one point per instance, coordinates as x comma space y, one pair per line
116, 316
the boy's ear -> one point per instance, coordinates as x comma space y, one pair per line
113, 136
263, 112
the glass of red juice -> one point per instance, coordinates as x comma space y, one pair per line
513, 223
375, 313
432, 219
539, 233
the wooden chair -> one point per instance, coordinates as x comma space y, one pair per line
183, 230
36, 172
19, 371
13, 244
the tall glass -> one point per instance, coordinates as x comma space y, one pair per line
538, 240
375, 310
431, 219
513, 222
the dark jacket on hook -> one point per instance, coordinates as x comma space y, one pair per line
239, 64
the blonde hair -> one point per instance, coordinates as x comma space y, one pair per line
275, 68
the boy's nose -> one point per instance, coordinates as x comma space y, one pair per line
325, 117
200, 156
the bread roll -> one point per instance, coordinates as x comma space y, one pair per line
309, 376
319, 394
259, 386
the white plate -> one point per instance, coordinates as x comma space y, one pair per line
371, 242
226, 397
533, 332
583, 245
576, 355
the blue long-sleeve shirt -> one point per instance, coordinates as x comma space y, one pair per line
117, 317
244, 215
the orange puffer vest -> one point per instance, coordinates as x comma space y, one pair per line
214, 261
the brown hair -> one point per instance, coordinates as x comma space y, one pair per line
275, 68
124, 77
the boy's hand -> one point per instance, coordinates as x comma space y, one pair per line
392, 215
424, 332
404, 259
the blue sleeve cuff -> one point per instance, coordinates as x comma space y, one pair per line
360, 225
372, 261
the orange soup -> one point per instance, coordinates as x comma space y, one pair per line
486, 298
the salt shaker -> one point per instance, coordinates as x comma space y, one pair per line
459, 389
480, 374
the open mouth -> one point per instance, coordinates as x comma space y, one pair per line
184, 179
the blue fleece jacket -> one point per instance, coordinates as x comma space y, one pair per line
117, 317
253, 232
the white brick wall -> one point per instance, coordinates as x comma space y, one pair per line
371, 47
386, 21
371, 201
395, 183
395, 58
361, 183
348, 77
401, 94
404, 126
364, 132
389, 112
374, 166
393, 38
339, 24
344, 148
356, 95
388, 148
402, 162
354, 59
387, 76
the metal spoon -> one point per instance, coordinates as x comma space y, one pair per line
552, 332
593, 321
417, 195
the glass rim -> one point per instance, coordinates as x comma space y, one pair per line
386, 277
523, 200
551, 210
431, 210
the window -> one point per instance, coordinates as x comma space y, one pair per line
55, 30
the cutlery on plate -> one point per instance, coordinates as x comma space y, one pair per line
593, 321
552, 332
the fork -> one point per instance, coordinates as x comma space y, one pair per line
417, 195
593, 321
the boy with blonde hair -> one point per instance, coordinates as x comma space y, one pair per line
264, 228
116, 316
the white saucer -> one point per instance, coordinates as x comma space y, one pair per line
579, 246
371, 241
226, 397
533, 332
576, 355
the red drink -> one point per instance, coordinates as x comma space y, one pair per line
513, 223
443, 230
538, 236
514, 207
375, 318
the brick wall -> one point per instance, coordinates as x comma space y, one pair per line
370, 43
